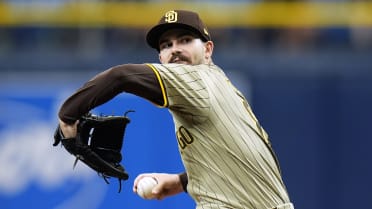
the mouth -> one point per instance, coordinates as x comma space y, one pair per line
179, 59
179, 62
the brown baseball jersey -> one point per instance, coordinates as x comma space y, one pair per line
226, 153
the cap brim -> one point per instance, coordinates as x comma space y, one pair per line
154, 33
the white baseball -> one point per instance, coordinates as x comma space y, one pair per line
145, 186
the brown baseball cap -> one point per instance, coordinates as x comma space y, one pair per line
177, 19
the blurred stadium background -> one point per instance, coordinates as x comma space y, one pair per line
305, 66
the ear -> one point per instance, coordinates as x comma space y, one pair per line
209, 49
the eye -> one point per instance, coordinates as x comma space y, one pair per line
186, 39
165, 45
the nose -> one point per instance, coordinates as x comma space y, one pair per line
175, 48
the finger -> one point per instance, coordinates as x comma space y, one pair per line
159, 191
68, 131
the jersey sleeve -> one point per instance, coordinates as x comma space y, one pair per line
137, 79
184, 91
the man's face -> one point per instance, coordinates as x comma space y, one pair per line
184, 47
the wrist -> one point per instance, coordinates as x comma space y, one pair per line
184, 181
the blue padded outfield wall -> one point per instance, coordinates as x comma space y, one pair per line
34, 174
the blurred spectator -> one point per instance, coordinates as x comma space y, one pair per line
93, 41
361, 38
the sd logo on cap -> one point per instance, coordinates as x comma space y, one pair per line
177, 19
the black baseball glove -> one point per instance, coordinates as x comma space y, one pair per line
98, 144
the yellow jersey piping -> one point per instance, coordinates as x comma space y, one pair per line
161, 84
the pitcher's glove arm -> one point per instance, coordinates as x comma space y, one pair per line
98, 144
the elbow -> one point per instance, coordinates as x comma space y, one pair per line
121, 73
115, 73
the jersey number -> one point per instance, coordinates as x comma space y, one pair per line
184, 137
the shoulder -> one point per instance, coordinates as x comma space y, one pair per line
183, 67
